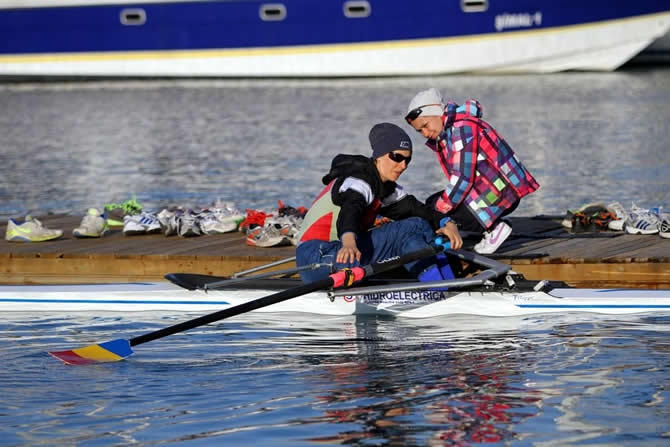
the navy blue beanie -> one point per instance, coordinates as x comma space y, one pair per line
387, 137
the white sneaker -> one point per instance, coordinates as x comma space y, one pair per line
220, 220
143, 223
494, 238
167, 219
31, 230
268, 235
288, 226
92, 225
664, 225
641, 221
620, 212
187, 225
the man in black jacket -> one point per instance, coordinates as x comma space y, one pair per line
339, 228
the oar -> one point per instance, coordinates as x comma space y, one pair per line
116, 350
193, 281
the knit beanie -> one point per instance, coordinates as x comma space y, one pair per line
387, 137
430, 102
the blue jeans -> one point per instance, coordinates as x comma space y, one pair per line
392, 239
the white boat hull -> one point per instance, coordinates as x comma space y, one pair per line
167, 298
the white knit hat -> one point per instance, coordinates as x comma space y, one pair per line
430, 102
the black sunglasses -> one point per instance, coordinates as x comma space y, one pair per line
398, 158
413, 114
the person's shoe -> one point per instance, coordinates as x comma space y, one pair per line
266, 236
92, 225
287, 210
253, 219
31, 230
641, 221
187, 225
580, 223
287, 225
116, 212
494, 238
168, 221
664, 225
220, 220
620, 212
144, 223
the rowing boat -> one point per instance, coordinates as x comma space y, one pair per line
496, 291
501, 294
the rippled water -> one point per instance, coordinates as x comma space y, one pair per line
290, 379
69, 146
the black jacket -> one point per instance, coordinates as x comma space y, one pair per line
353, 204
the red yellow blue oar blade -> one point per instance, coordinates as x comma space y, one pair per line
110, 351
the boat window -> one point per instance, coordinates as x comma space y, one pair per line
133, 16
357, 9
474, 5
272, 12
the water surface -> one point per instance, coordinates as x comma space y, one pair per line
69, 146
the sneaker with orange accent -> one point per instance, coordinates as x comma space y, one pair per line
287, 210
254, 218
266, 236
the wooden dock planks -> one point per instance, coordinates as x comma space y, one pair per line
538, 248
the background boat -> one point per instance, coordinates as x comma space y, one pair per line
657, 52
332, 38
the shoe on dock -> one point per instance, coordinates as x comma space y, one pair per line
31, 230
92, 225
144, 223
664, 225
641, 221
116, 212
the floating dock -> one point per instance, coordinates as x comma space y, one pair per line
539, 248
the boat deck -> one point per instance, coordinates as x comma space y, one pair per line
539, 248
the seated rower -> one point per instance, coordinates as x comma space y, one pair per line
339, 227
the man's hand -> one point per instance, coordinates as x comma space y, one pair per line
450, 230
349, 251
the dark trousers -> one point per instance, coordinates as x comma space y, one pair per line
463, 216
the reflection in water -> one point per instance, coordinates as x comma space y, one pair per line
410, 388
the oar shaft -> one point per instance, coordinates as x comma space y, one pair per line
332, 280
235, 310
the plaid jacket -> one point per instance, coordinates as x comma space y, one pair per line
482, 171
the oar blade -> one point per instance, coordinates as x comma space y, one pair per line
110, 351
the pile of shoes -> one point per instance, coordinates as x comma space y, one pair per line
273, 229
592, 217
221, 217
598, 217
